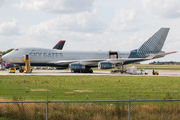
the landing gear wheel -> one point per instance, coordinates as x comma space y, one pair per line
82, 71
17, 68
21, 71
90, 71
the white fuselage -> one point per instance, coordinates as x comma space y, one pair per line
42, 56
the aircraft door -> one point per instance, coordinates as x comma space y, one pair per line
113, 55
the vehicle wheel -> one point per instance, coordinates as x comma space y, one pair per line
21, 71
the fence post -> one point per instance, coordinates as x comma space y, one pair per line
47, 106
129, 112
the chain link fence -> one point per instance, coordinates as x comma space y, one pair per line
167, 107
90, 110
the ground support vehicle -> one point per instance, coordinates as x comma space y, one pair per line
143, 71
12, 70
155, 72
118, 71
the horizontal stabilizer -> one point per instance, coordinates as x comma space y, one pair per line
159, 55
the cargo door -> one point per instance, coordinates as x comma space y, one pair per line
113, 55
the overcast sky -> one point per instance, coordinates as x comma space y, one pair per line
121, 25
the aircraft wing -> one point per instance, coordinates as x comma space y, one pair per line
95, 61
119, 60
159, 55
83, 62
65, 62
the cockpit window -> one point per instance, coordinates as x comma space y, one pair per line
16, 49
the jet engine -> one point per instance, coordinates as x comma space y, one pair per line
76, 67
105, 65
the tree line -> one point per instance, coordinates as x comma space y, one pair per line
165, 63
5, 52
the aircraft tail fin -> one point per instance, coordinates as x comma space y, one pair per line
156, 42
59, 45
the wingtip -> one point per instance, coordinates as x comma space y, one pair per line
175, 51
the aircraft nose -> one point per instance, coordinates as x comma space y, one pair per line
1, 59
5, 58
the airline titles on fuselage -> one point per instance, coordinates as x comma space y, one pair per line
45, 55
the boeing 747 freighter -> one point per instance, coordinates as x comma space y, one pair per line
83, 61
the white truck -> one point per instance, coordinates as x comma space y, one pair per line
133, 70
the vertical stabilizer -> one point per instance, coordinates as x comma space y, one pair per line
59, 45
156, 42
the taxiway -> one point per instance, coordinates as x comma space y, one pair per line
66, 72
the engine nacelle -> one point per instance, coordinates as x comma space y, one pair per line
76, 66
105, 65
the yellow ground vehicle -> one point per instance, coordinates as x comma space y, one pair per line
12, 70
155, 72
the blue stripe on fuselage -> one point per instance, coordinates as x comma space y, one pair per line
133, 54
132, 61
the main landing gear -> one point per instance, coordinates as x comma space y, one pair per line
21, 70
82, 71
119, 70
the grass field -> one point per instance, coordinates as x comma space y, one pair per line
89, 111
20, 88
89, 87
